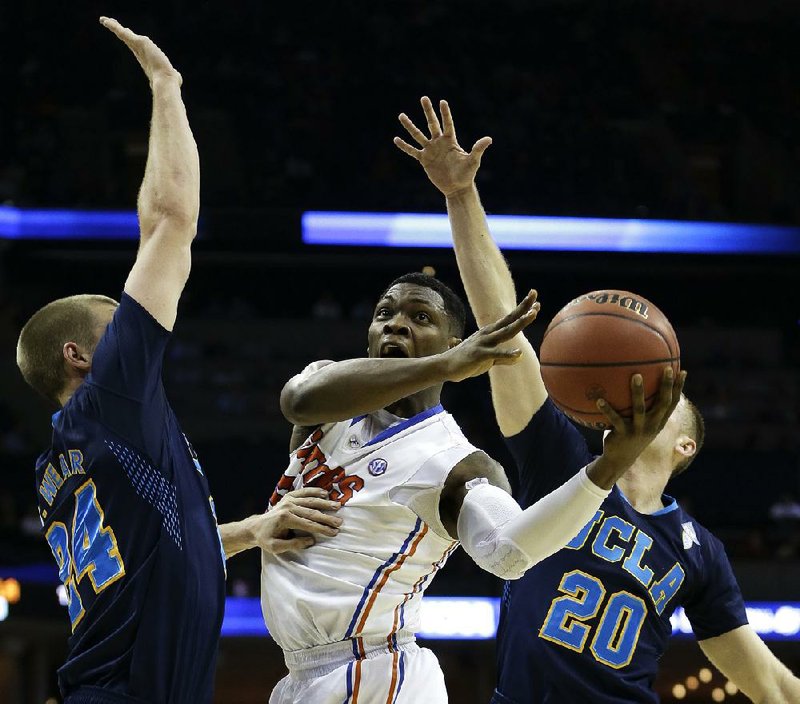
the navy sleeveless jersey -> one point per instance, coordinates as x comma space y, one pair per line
590, 623
127, 512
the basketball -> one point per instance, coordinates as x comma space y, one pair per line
595, 343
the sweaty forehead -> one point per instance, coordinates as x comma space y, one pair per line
412, 293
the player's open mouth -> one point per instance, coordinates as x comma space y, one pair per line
390, 349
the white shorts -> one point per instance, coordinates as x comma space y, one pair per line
405, 675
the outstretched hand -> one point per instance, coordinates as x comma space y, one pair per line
153, 61
448, 166
483, 349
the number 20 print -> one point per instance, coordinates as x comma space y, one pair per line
618, 631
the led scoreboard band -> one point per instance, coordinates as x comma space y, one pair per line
442, 617
475, 618
30, 224
565, 234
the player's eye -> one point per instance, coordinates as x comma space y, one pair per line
382, 313
423, 316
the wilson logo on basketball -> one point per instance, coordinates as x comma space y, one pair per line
633, 304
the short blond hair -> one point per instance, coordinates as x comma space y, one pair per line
693, 425
42, 339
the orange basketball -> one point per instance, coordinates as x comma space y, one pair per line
595, 343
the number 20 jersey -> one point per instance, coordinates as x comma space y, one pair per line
589, 623
127, 513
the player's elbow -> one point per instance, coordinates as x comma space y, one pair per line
501, 558
483, 521
181, 219
171, 218
297, 405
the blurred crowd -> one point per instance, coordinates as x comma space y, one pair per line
662, 109
665, 109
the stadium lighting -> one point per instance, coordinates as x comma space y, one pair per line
475, 618
567, 234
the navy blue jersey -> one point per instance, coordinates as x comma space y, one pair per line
590, 623
127, 513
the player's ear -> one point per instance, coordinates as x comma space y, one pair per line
685, 446
76, 357
452, 342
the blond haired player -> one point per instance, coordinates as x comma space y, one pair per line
124, 503
590, 623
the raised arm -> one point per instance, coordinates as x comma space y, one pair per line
169, 198
484, 272
342, 390
746, 660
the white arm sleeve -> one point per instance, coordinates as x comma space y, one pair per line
505, 540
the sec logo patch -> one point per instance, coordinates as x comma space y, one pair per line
377, 467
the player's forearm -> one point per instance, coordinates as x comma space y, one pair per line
237, 536
785, 691
548, 525
507, 541
170, 189
484, 272
353, 387
491, 294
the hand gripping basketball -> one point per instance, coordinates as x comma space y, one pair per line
483, 349
629, 436
596, 343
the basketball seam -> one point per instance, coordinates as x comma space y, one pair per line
640, 362
595, 418
564, 407
610, 315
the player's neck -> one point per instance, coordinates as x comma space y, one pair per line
643, 487
409, 406
70, 388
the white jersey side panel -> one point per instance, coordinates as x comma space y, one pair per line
367, 581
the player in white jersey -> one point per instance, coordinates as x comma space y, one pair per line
412, 487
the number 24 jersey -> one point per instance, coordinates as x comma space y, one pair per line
127, 513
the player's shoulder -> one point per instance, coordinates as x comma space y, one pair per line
450, 425
326, 434
131, 318
40, 463
451, 438
130, 311
549, 424
695, 533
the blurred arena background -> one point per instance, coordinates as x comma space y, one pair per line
659, 110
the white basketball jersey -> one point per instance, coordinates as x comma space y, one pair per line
365, 583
